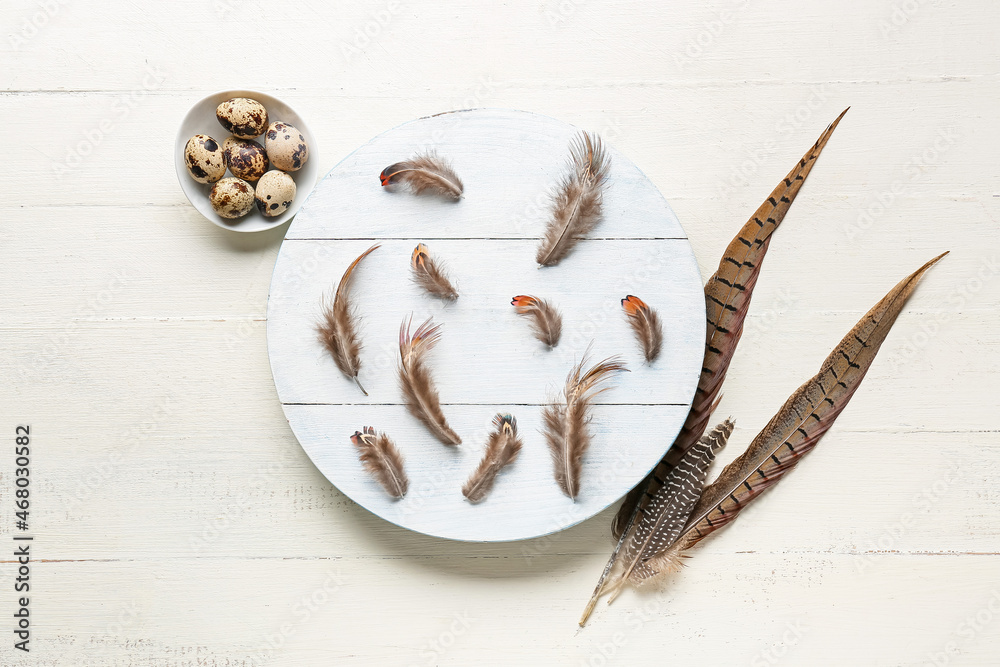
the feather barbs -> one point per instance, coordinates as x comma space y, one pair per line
645, 322
430, 276
381, 458
578, 202
502, 449
337, 330
425, 173
546, 322
419, 390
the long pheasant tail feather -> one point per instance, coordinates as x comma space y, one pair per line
430, 276
796, 428
425, 173
337, 328
727, 300
566, 423
546, 321
419, 390
502, 449
577, 204
382, 460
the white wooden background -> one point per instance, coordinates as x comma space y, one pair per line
178, 523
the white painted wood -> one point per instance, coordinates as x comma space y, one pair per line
168, 484
488, 360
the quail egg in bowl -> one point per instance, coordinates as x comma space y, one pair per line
244, 118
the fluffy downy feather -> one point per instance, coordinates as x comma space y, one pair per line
425, 173
418, 386
501, 449
577, 204
646, 325
566, 424
546, 321
337, 331
430, 276
382, 459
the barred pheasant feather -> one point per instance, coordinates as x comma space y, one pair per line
337, 329
415, 379
430, 276
546, 322
727, 301
426, 173
646, 324
578, 202
382, 459
566, 423
791, 434
502, 449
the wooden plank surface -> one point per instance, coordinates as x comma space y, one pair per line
177, 521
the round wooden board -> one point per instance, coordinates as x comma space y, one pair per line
487, 360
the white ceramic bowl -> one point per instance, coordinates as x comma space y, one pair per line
201, 120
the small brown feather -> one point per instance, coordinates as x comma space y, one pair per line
646, 324
382, 459
546, 321
418, 386
501, 449
425, 173
337, 330
577, 204
430, 276
566, 424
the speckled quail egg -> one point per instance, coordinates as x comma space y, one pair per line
204, 159
275, 192
286, 146
242, 116
231, 197
245, 158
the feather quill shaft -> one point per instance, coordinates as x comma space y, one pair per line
337, 330
645, 323
382, 459
426, 173
727, 300
546, 321
418, 386
502, 449
577, 204
566, 424
796, 428
430, 276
